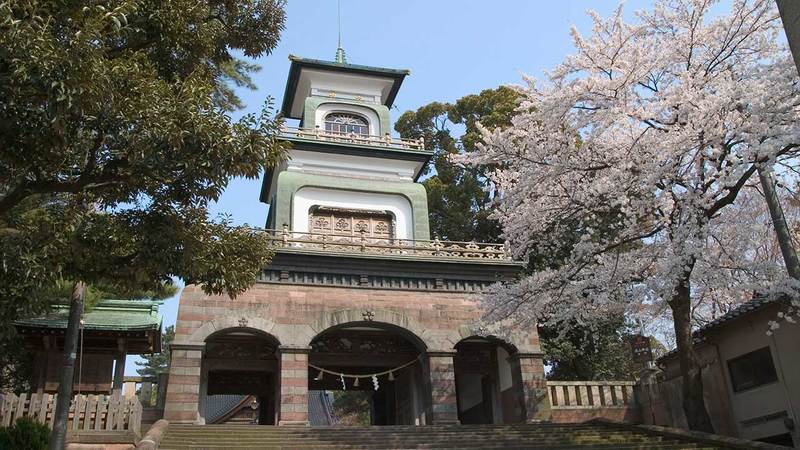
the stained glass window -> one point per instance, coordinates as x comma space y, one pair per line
346, 123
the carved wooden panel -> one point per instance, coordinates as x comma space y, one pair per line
362, 343
239, 382
475, 358
351, 222
242, 349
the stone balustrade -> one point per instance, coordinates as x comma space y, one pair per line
386, 140
396, 247
578, 401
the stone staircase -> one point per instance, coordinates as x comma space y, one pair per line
540, 436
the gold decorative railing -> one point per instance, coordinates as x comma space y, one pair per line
286, 238
353, 138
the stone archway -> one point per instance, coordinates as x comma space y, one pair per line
370, 346
210, 327
485, 381
239, 380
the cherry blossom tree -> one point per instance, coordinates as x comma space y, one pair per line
640, 144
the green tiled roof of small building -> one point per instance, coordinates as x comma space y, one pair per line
110, 315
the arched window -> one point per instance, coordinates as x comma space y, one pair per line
339, 122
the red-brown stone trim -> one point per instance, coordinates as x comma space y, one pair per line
440, 353
187, 346
291, 349
526, 355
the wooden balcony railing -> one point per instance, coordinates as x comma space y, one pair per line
385, 141
590, 394
435, 248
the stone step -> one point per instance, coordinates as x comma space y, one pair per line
292, 446
368, 442
494, 443
394, 432
371, 432
312, 440
581, 436
544, 436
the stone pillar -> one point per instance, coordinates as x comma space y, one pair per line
146, 394
528, 372
40, 372
119, 374
183, 389
293, 408
163, 382
443, 387
129, 389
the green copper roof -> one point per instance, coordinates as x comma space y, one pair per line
107, 315
298, 63
345, 66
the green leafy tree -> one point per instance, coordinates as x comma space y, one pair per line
16, 365
114, 137
459, 198
24, 434
352, 407
158, 362
598, 353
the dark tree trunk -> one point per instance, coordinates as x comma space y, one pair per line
58, 438
693, 404
779, 223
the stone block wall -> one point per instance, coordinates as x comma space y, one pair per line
293, 386
443, 388
294, 314
183, 390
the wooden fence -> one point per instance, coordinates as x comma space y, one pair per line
86, 413
591, 394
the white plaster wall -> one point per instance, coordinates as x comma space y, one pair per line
352, 166
351, 83
747, 335
504, 369
786, 341
366, 86
307, 197
369, 114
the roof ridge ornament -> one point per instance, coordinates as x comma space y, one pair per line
341, 58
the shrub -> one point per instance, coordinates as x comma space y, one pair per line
25, 434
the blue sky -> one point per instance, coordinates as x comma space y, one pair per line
453, 48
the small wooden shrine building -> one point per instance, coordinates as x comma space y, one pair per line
111, 330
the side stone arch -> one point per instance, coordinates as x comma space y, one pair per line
212, 326
516, 339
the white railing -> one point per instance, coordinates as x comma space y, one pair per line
86, 413
386, 140
383, 246
590, 394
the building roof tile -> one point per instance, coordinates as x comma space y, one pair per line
758, 302
106, 315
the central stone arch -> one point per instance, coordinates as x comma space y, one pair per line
379, 316
376, 356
